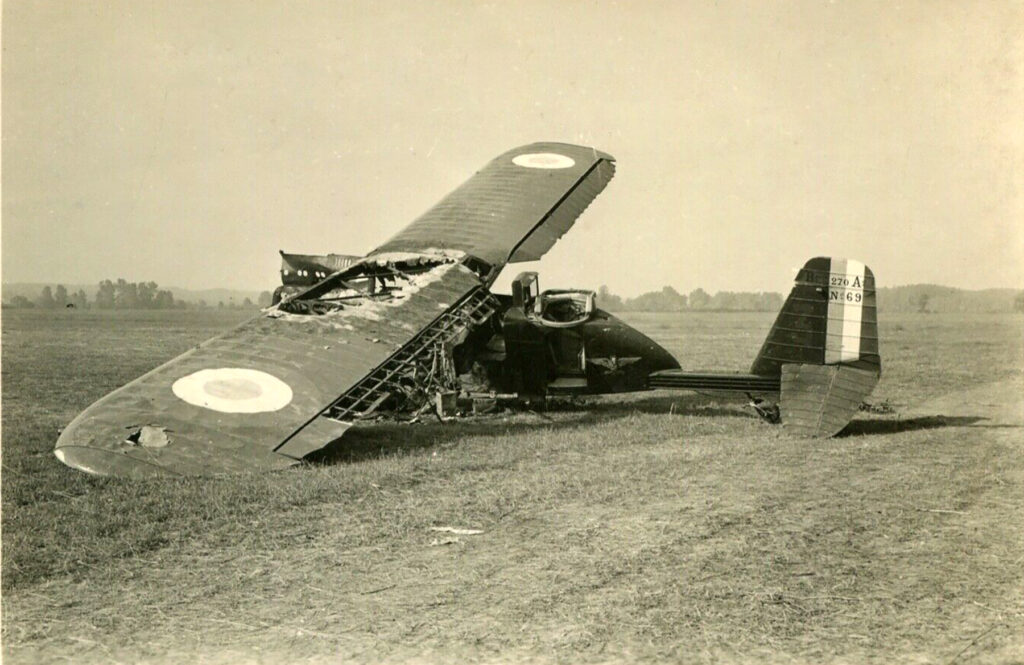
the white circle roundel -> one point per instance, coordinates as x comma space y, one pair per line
543, 160
233, 390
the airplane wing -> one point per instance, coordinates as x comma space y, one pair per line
252, 399
285, 383
515, 208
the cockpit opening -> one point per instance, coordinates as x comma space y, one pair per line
555, 308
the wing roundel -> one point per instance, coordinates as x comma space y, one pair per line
515, 208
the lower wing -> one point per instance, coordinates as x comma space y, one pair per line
255, 398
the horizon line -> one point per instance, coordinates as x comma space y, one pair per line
4, 284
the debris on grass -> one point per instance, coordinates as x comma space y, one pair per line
457, 530
378, 590
883, 407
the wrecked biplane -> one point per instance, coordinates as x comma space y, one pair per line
413, 324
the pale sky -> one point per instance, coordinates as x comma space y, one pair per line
186, 142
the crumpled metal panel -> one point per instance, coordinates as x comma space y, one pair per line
515, 208
328, 264
317, 357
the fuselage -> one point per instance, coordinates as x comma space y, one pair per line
535, 343
525, 354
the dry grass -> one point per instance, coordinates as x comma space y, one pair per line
654, 527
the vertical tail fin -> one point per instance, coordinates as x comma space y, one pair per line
829, 318
824, 346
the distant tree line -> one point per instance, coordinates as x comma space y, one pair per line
930, 298
122, 294
670, 300
48, 298
920, 298
917, 298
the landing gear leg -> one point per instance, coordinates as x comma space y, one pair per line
768, 411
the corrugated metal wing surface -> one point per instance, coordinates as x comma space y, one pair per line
515, 208
318, 357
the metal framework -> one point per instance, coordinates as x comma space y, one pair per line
384, 381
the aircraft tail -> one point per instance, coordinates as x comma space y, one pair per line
821, 355
823, 346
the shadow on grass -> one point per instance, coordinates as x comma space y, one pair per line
859, 427
383, 439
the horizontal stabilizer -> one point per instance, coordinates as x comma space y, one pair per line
820, 400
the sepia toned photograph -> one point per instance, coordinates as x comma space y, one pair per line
525, 332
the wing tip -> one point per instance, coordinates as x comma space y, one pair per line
574, 149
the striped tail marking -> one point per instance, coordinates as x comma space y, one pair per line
843, 331
829, 318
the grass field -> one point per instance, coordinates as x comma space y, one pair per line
654, 527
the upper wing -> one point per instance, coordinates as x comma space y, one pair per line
251, 399
515, 208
